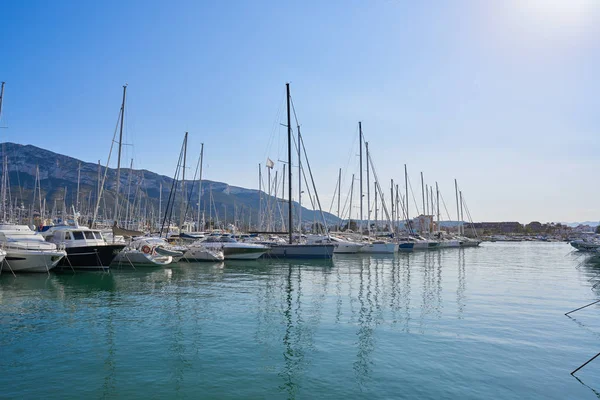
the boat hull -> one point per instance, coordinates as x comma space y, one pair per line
306, 251
201, 255
90, 257
31, 260
379, 248
243, 253
347, 248
140, 259
406, 246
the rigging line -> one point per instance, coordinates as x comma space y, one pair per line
191, 190
171, 193
314, 186
333, 198
445, 208
105, 173
469, 216
275, 127
413, 196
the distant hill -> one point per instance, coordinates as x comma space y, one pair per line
58, 173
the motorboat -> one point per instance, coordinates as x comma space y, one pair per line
146, 251
234, 250
378, 246
86, 248
342, 246
27, 251
198, 252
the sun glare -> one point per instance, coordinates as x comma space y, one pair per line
561, 12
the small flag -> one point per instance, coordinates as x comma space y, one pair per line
270, 163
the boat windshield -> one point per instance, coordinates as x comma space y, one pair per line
98, 235
88, 235
78, 235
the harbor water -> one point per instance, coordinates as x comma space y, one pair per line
472, 323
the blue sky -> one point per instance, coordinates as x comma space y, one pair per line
502, 96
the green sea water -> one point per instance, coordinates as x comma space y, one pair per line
481, 323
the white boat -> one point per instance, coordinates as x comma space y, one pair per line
378, 247
198, 252
299, 250
86, 248
586, 245
27, 251
468, 242
342, 246
234, 250
143, 252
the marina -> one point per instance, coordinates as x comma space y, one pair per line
456, 323
291, 200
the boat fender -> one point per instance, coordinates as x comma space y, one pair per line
146, 249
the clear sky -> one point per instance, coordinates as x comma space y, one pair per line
502, 95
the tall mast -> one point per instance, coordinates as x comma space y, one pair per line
457, 205
339, 192
437, 204
462, 228
375, 184
289, 126
200, 184
406, 199
78, 179
260, 224
361, 171
282, 196
392, 202
116, 217
1, 97
299, 183
369, 194
423, 193
129, 195
350, 208
183, 193
159, 200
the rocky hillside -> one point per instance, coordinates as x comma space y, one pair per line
58, 174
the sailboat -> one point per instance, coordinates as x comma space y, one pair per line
291, 249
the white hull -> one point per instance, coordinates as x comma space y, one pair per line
138, 258
380, 248
238, 251
31, 260
301, 251
445, 244
347, 248
200, 254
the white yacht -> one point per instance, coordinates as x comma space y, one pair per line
145, 251
198, 252
234, 250
342, 246
86, 248
27, 251
378, 246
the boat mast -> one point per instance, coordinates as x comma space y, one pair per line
369, 194
462, 218
116, 217
299, 183
423, 194
1, 97
361, 172
392, 204
289, 126
159, 201
339, 192
200, 184
374, 184
457, 204
260, 224
406, 199
78, 180
183, 194
437, 204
